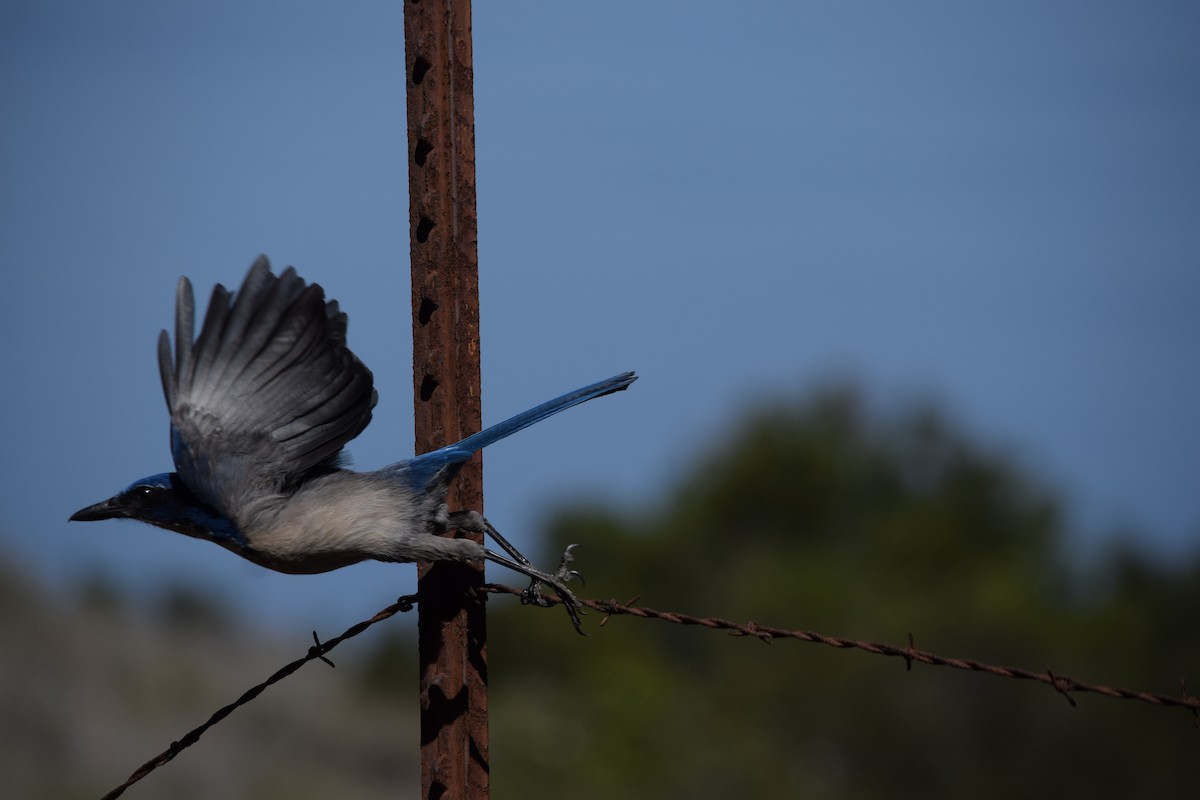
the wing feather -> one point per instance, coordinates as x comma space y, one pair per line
267, 392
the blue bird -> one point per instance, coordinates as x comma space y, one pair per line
262, 403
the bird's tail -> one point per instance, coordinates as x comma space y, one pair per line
548, 409
422, 469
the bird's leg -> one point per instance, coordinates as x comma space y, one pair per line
562, 573
476, 523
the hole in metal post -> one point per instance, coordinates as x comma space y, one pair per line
420, 67
424, 226
421, 151
428, 385
426, 310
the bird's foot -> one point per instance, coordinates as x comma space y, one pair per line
558, 582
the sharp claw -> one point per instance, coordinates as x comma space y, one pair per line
562, 573
567, 575
571, 603
573, 610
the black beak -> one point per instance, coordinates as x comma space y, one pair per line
107, 510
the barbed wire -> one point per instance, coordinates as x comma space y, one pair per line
317, 651
1062, 684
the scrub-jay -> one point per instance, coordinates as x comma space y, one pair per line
261, 405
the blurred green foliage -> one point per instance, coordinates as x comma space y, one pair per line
823, 516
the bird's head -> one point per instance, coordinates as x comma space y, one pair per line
165, 501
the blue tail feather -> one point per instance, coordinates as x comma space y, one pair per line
422, 469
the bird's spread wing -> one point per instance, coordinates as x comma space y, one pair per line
267, 392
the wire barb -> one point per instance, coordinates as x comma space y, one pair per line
1060, 686
318, 650
1190, 699
629, 602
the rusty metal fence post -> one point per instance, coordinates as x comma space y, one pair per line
445, 298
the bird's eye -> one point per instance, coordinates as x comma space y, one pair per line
144, 492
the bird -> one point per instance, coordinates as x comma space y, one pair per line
262, 403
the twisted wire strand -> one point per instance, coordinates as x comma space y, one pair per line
1062, 684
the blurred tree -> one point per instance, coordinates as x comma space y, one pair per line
824, 517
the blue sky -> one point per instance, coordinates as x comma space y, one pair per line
996, 206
